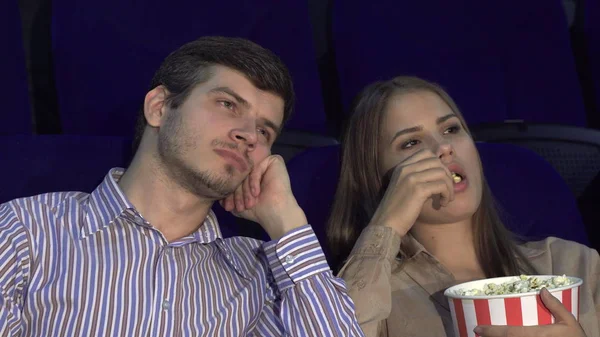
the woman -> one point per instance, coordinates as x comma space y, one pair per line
413, 215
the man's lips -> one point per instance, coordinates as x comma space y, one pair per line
234, 158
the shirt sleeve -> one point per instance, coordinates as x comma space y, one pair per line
14, 271
367, 273
305, 298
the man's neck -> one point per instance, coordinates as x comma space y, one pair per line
453, 246
168, 207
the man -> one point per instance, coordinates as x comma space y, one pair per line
142, 255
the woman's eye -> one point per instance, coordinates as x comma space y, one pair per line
452, 129
409, 144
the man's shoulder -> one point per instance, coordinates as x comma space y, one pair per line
33, 208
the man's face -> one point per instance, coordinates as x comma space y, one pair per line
212, 141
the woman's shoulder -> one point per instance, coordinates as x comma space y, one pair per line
559, 254
554, 245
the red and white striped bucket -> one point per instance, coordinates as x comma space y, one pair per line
524, 309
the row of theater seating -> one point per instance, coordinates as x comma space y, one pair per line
501, 60
535, 201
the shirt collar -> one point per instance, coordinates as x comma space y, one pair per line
210, 230
410, 247
106, 203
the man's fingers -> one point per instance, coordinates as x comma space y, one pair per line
240, 205
249, 199
256, 175
228, 203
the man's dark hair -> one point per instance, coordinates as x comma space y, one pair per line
190, 66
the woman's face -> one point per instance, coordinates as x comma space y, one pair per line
422, 120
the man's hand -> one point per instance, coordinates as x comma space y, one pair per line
266, 197
566, 324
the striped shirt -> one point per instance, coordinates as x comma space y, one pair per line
78, 264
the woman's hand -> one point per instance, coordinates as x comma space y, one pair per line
417, 179
566, 324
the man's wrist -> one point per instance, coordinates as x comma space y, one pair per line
283, 220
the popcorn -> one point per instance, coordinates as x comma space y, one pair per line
456, 177
523, 284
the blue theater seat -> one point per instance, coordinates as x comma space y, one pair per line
105, 53
14, 93
591, 33
500, 60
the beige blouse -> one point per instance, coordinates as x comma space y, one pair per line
404, 296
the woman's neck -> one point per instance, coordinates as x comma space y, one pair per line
453, 246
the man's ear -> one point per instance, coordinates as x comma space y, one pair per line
155, 106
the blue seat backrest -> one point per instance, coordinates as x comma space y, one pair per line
498, 59
105, 53
51, 163
591, 34
14, 92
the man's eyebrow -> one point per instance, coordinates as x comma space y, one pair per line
270, 124
226, 90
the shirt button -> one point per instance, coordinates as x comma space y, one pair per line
290, 259
360, 284
166, 304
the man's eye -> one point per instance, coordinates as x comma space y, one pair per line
227, 104
264, 133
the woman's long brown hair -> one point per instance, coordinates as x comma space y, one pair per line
361, 186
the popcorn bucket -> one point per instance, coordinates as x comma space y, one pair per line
522, 309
